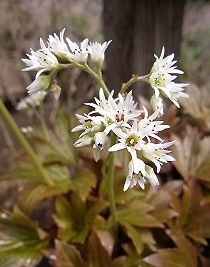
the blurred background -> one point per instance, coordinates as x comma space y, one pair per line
137, 28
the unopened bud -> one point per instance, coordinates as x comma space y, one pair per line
56, 90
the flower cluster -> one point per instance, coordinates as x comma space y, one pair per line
121, 117
31, 101
132, 129
47, 61
162, 78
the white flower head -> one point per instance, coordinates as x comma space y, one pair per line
115, 112
100, 140
56, 90
88, 124
32, 101
92, 134
58, 46
41, 60
84, 141
97, 52
136, 138
79, 53
162, 76
140, 177
157, 104
157, 153
41, 83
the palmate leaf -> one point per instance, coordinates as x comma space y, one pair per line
28, 173
84, 182
124, 261
198, 103
171, 258
186, 152
31, 195
192, 155
140, 237
22, 242
160, 199
194, 216
75, 217
184, 244
59, 147
184, 255
52, 150
68, 256
198, 225
137, 213
97, 254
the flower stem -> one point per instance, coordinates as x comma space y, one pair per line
23, 141
40, 115
97, 77
110, 182
133, 79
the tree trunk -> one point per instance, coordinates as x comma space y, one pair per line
138, 29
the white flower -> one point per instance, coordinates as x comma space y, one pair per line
58, 46
136, 138
139, 177
115, 112
84, 141
97, 51
157, 153
157, 104
79, 53
100, 139
41, 60
88, 124
93, 134
56, 90
161, 78
31, 101
42, 82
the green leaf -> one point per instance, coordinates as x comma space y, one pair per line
22, 241
185, 245
75, 217
198, 225
68, 256
190, 203
27, 173
160, 199
106, 240
62, 125
137, 213
97, 254
124, 261
203, 170
58, 172
135, 236
170, 258
84, 182
32, 195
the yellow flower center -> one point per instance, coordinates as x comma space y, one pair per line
160, 80
109, 121
132, 140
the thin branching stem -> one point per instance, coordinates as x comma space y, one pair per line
110, 182
23, 141
132, 80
